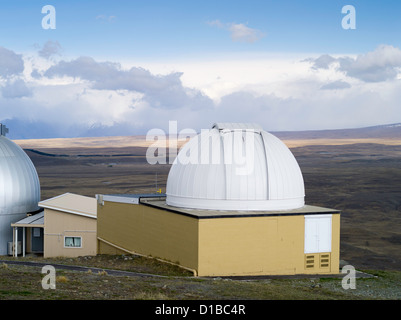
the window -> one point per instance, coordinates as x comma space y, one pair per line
72, 242
36, 232
317, 233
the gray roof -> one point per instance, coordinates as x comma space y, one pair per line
138, 195
209, 214
158, 201
35, 220
129, 198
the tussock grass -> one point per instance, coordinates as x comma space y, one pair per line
61, 279
102, 273
150, 296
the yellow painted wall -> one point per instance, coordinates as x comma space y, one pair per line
59, 224
105, 248
334, 256
259, 246
213, 247
335, 243
149, 231
251, 245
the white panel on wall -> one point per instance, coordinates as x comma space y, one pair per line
317, 233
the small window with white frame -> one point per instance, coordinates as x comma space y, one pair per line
36, 232
72, 242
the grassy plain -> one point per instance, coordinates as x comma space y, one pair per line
360, 177
19, 282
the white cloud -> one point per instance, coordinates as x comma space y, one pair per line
384, 63
160, 91
106, 18
49, 49
84, 96
339, 84
239, 32
216, 23
242, 33
10, 63
323, 62
16, 89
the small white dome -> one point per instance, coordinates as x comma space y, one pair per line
235, 167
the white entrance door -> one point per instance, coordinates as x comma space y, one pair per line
317, 233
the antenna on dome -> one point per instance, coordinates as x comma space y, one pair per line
3, 130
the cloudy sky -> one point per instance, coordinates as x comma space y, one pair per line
125, 67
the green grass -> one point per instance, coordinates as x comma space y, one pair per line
21, 282
16, 293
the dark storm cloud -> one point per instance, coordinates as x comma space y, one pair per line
161, 91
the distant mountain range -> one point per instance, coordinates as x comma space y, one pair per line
381, 131
41, 130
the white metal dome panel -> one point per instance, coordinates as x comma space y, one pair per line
235, 167
246, 171
201, 164
19, 188
285, 176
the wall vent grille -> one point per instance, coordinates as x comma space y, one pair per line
309, 261
324, 261
317, 262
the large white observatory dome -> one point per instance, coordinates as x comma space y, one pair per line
235, 167
19, 187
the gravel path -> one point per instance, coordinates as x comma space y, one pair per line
83, 269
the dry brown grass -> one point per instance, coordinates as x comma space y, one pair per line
339, 142
140, 141
61, 279
360, 177
98, 142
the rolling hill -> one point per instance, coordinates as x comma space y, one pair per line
389, 131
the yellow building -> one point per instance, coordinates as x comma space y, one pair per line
234, 206
221, 243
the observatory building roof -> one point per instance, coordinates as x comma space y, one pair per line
72, 203
235, 167
210, 214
